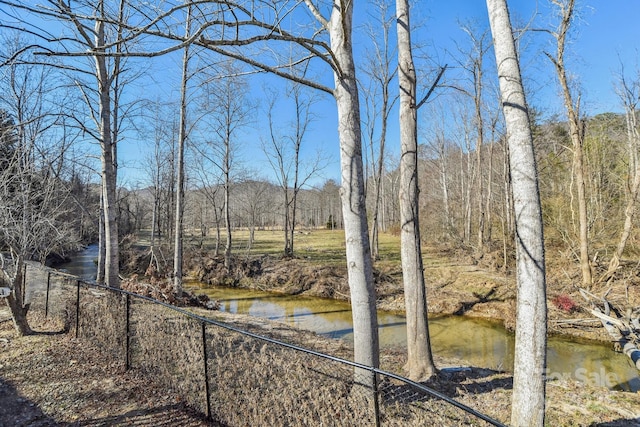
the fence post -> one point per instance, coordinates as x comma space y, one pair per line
46, 300
128, 332
376, 402
206, 368
77, 307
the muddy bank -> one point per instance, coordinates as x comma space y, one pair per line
453, 289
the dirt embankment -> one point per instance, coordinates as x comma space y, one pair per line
456, 285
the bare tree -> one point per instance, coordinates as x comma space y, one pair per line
379, 102
576, 131
35, 206
475, 68
420, 360
180, 176
210, 186
156, 164
337, 53
229, 110
96, 31
629, 93
108, 145
255, 200
528, 401
233, 28
284, 152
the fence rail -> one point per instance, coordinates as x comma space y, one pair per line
233, 376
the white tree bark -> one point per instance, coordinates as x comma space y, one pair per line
420, 364
359, 263
528, 402
108, 158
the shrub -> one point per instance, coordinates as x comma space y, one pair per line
565, 303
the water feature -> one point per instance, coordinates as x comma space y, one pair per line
474, 342
83, 263
471, 341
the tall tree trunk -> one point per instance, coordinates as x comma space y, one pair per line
377, 216
108, 160
382, 74
182, 136
528, 401
359, 264
576, 131
102, 244
420, 361
479, 144
227, 201
287, 220
468, 203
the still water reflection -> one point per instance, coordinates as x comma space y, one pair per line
83, 263
473, 342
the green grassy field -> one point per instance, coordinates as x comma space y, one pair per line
320, 246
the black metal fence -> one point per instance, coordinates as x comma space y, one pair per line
232, 376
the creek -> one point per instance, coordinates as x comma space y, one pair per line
473, 342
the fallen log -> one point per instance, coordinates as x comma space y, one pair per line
607, 321
624, 332
614, 327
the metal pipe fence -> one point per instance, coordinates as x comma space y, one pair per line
233, 376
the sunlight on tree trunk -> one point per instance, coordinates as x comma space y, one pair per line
420, 364
182, 137
528, 400
108, 158
576, 131
359, 264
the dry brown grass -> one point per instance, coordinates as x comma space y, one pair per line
55, 379
251, 381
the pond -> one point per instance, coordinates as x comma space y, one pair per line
473, 342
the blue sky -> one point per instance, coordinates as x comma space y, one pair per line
606, 32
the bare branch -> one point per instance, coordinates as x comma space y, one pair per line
316, 13
432, 88
272, 69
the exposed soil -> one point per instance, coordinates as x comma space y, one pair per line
457, 284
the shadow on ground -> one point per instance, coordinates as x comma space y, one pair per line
163, 416
16, 410
620, 423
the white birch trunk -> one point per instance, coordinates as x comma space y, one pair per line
528, 401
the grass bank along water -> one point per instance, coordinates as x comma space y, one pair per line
472, 342
569, 402
461, 286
